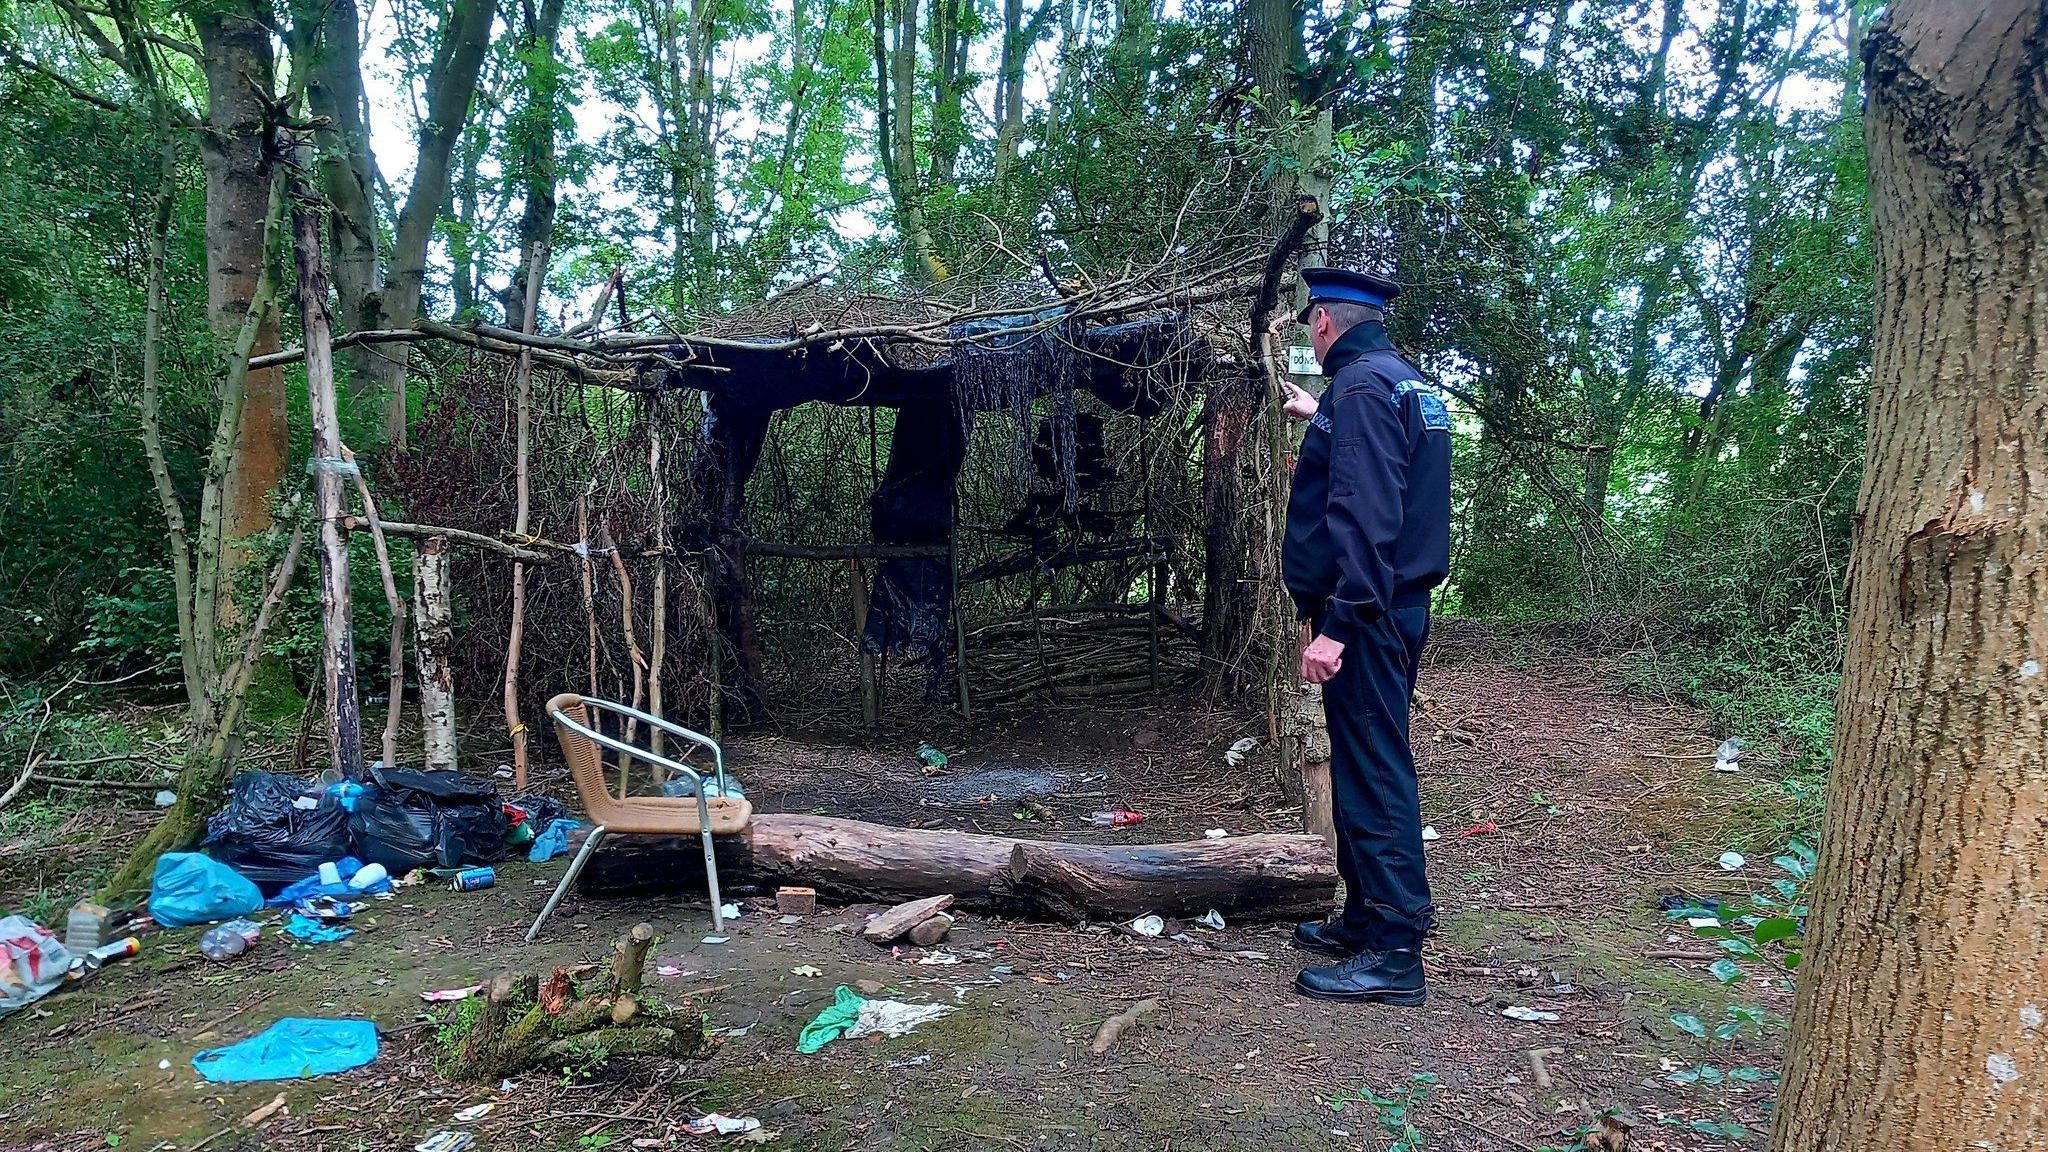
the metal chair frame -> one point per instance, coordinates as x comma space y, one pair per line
623, 748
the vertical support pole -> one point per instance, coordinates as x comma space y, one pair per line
869, 706
589, 577
1156, 572
1153, 577
959, 620
522, 514
344, 711
658, 655
716, 641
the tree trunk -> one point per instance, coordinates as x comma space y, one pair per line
949, 85
344, 709
535, 141
1010, 90
236, 151
1918, 1022
328, 35
1260, 877
1275, 34
1424, 31
451, 84
434, 610
1305, 775
896, 143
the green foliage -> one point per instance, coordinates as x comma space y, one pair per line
1766, 930
1712, 1076
1394, 1110
1642, 263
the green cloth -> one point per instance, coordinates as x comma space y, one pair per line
833, 1022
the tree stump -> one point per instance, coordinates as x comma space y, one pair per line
522, 1022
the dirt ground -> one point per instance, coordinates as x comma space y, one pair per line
1601, 802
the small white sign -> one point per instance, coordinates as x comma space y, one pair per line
1301, 361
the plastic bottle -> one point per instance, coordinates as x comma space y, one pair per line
1117, 818
87, 927
367, 875
223, 941
681, 787
931, 757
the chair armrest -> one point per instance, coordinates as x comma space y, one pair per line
635, 751
673, 729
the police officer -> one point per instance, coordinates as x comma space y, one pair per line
1368, 537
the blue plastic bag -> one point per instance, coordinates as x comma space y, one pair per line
194, 888
554, 841
307, 887
314, 932
292, 1048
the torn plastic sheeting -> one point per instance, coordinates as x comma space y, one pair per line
313, 932
721, 1124
552, 842
32, 963
293, 1048
852, 1015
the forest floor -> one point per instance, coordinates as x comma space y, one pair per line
1602, 802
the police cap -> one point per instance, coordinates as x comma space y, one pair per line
1341, 285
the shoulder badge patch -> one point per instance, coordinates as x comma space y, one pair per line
1435, 413
1319, 420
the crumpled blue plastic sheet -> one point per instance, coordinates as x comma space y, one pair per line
553, 841
293, 1048
314, 932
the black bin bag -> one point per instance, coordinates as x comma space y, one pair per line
407, 818
277, 830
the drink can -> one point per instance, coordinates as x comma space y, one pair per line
471, 879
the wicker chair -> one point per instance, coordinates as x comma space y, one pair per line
624, 815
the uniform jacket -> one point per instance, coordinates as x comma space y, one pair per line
1369, 521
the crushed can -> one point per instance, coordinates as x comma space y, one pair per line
473, 879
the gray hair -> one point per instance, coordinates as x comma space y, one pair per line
1345, 314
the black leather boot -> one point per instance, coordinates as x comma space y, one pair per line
1326, 937
1392, 977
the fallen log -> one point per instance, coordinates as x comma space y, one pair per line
1265, 876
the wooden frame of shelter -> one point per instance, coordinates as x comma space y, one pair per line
863, 365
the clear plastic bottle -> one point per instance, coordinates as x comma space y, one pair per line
226, 941
1117, 818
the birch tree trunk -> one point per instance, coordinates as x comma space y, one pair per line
434, 611
1919, 1020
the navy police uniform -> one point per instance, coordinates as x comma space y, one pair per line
1368, 537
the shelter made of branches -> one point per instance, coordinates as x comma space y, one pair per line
830, 503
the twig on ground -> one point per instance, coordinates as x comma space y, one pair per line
1120, 1023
